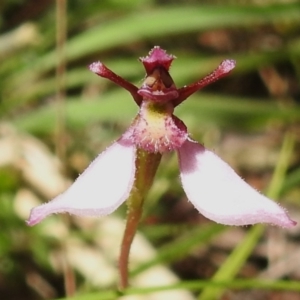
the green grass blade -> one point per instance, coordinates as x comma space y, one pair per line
172, 21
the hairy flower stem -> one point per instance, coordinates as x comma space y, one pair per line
146, 166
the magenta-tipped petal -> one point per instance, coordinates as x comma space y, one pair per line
220, 194
99, 190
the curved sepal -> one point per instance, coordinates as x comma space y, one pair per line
220, 194
100, 189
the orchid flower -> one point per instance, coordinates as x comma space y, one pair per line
125, 170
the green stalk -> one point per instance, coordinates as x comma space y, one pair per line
146, 166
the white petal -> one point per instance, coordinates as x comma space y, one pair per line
220, 194
100, 189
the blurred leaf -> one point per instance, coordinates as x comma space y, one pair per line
172, 20
183, 245
207, 108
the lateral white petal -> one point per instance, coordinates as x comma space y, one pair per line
220, 194
100, 189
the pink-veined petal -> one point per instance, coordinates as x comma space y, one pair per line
100, 189
220, 194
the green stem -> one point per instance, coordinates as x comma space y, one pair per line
146, 166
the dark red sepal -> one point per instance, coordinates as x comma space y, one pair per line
101, 70
157, 57
225, 67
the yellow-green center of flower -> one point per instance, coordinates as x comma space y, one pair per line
156, 129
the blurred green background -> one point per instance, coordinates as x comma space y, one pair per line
56, 116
